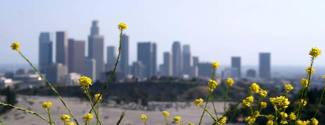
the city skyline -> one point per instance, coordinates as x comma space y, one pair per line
271, 27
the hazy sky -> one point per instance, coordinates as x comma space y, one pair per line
215, 29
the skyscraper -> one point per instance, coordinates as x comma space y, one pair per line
90, 68
146, 55
187, 60
236, 67
167, 64
265, 66
124, 61
111, 57
96, 49
177, 59
45, 53
61, 48
76, 56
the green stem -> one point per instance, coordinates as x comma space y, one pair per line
50, 117
203, 111
25, 110
92, 104
206, 110
320, 102
49, 85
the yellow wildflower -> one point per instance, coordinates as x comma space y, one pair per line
191, 123
198, 102
304, 82
263, 93
263, 104
269, 122
65, 118
247, 102
270, 117
314, 121
292, 116
85, 81
310, 70
98, 97
280, 102
314, 52
230, 82
302, 102
300, 122
283, 115
255, 88
284, 122
88, 117
122, 26
15, 46
212, 84
222, 120
70, 123
47, 104
165, 114
250, 120
177, 119
288, 87
256, 114
215, 65
143, 117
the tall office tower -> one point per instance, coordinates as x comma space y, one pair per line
76, 56
96, 49
124, 61
61, 48
187, 60
204, 70
265, 66
154, 60
167, 65
195, 68
146, 55
45, 51
138, 69
236, 67
111, 57
90, 68
177, 59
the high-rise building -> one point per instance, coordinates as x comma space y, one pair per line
167, 65
138, 69
236, 67
187, 60
195, 68
177, 59
76, 56
57, 73
124, 61
90, 68
61, 48
146, 55
96, 49
265, 66
204, 70
45, 53
111, 58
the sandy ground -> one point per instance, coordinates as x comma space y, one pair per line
109, 114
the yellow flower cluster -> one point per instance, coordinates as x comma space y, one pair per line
250, 120
302, 102
15, 46
230, 82
288, 87
263, 104
47, 104
143, 117
177, 119
262, 93
222, 120
292, 116
166, 114
247, 102
88, 117
85, 82
304, 82
215, 65
198, 102
280, 102
314, 52
310, 70
122, 26
98, 97
255, 88
212, 85
65, 118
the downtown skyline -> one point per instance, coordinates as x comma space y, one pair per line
227, 32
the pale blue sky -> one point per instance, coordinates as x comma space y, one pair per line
216, 29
